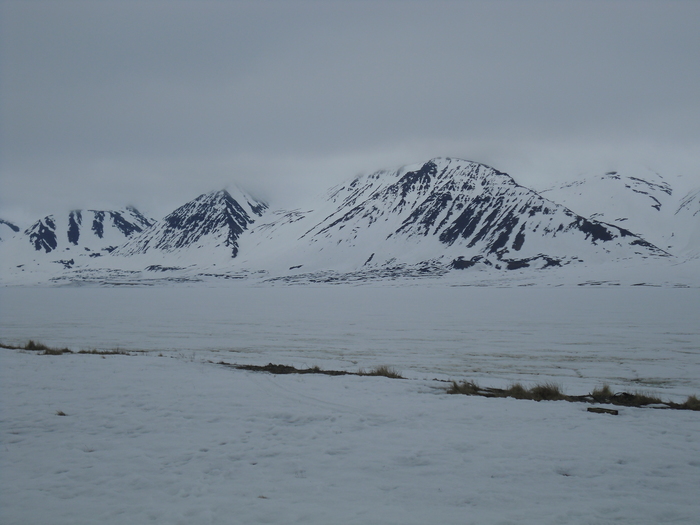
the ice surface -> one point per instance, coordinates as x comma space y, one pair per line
640, 336
178, 439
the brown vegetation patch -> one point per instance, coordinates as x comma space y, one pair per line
553, 392
692, 403
285, 369
271, 368
33, 346
382, 370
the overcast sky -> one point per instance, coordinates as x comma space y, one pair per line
109, 103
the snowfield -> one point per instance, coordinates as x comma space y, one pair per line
168, 436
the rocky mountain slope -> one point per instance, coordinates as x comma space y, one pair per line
215, 220
90, 230
62, 241
688, 214
446, 213
437, 217
641, 201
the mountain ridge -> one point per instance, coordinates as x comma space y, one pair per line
429, 218
458, 207
641, 200
214, 215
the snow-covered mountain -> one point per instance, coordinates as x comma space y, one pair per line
212, 220
432, 218
641, 201
688, 220
445, 212
91, 230
62, 241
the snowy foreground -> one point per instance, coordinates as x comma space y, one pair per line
167, 436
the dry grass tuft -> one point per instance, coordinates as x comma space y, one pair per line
517, 391
32, 345
692, 403
468, 388
45, 350
382, 370
602, 394
105, 352
636, 399
56, 351
547, 392
543, 392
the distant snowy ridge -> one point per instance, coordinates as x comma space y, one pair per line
90, 229
62, 241
641, 201
441, 216
471, 209
688, 215
432, 217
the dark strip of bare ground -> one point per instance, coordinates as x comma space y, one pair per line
385, 371
544, 392
552, 392
540, 392
286, 369
47, 350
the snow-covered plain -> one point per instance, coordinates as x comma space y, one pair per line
168, 436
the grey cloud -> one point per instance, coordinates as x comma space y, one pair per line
157, 90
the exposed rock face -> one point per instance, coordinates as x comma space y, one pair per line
49, 234
441, 216
469, 206
42, 234
211, 219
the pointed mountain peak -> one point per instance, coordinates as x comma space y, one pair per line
42, 234
214, 196
216, 218
467, 208
233, 196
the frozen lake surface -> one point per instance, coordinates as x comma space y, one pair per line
169, 437
631, 337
